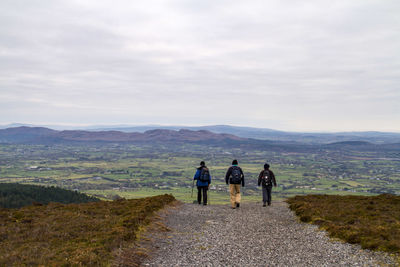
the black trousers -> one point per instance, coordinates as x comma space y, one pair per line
200, 190
266, 190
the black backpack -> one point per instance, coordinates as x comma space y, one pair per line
267, 179
204, 175
236, 175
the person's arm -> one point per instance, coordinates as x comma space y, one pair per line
228, 174
196, 175
210, 180
273, 178
260, 178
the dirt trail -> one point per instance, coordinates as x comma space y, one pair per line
252, 235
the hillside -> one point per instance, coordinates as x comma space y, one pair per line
371, 221
252, 235
89, 234
24, 134
110, 234
44, 136
275, 135
244, 132
38, 135
13, 195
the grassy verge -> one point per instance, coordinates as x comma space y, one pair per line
182, 194
73, 235
371, 221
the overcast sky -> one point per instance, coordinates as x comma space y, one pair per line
289, 65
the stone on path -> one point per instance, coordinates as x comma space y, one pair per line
252, 235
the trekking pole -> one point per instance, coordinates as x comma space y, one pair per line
209, 199
192, 189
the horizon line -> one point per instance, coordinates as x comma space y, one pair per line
125, 125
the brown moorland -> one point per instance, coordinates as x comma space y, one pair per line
371, 221
89, 234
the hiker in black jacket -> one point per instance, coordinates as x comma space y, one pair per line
266, 178
234, 177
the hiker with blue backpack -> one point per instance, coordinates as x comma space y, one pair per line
203, 178
266, 178
234, 177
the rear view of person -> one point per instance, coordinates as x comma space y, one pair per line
234, 177
203, 178
266, 178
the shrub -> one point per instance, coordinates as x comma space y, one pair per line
14, 195
371, 221
75, 234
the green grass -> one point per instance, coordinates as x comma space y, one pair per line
371, 221
151, 167
181, 194
89, 234
352, 183
13, 195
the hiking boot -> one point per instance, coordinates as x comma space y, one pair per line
205, 204
233, 208
269, 203
237, 205
264, 205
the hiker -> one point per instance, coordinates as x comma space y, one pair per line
234, 177
203, 178
266, 178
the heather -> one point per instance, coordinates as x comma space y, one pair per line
88, 234
371, 221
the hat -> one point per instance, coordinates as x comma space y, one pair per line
234, 162
266, 166
202, 163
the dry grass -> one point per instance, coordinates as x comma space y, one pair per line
371, 221
73, 235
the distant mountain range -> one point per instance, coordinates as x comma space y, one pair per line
46, 136
41, 135
245, 132
275, 135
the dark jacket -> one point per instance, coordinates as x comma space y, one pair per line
197, 177
228, 178
260, 178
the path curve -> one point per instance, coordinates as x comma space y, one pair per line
252, 235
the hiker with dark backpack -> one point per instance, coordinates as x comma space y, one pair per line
234, 177
203, 178
266, 178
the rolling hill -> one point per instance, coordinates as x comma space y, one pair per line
45, 136
13, 195
243, 132
40, 135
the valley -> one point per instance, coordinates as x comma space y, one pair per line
112, 170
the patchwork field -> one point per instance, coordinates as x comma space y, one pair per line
110, 171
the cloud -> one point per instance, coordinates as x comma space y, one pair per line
293, 65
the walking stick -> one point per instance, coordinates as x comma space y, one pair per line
192, 189
209, 199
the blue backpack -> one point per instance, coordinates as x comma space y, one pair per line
204, 175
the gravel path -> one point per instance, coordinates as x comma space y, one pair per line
252, 235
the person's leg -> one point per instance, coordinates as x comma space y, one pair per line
205, 195
264, 195
269, 189
199, 194
233, 195
238, 197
